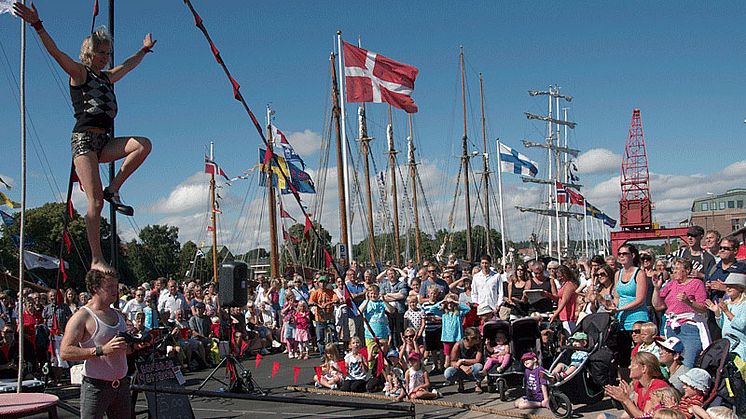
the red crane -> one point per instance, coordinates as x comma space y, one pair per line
635, 205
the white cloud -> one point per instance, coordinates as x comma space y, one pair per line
305, 143
187, 196
598, 160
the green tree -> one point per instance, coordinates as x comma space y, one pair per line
307, 253
158, 253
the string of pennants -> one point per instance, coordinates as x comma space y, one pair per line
567, 195
380, 363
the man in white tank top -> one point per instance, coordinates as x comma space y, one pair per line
90, 337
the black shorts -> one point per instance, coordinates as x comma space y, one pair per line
86, 142
432, 340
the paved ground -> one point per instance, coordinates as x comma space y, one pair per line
483, 405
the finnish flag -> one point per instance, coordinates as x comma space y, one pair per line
514, 162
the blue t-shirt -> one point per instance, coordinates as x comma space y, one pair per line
577, 358
375, 314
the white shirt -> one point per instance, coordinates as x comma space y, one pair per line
487, 289
171, 303
132, 308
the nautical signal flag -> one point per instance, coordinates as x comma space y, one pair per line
299, 179
212, 168
609, 221
7, 218
280, 142
4, 200
371, 77
592, 211
512, 161
565, 194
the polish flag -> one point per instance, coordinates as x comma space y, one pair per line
371, 77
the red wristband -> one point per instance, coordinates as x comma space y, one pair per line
37, 25
146, 49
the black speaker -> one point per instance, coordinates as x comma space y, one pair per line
233, 283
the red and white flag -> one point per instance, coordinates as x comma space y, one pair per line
371, 77
212, 168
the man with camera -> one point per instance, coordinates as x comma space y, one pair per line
93, 335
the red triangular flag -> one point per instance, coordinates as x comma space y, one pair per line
62, 270
318, 373
285, 214
296, 372
364, 353
95, 8
66, 239
342, 366
307, 229
257, 361
285, 235
236, 86
380, 362
327, 259
216, 53
70, 209
275, 368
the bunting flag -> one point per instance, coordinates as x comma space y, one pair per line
4, 200
281, 142
317, 370
66, 240
565, 194
275, 368
300, 180
7, 218
277, 169
285, 235
512, 161
284, 214
342, 366
257, 360
575, 197
199, 253
209, 228
64, 272
609, 221
296, 372
5, 183
328, 262
307, 229
212, 168
371, 77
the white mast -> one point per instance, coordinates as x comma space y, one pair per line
500, 197
565, 177
557, 176
345, 172
21, 244
552, 187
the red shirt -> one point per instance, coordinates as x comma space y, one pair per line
643, 395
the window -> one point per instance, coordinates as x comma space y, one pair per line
704, 206
735, 224
731, 204
739, 203
721, 205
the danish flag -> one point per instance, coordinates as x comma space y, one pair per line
371, 77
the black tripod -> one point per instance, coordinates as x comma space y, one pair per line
240, 379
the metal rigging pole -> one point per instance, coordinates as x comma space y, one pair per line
486, 173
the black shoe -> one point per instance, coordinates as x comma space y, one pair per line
116, 201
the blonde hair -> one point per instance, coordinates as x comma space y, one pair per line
353, 339
668, 414
649, 328
668, 391
721, 412
412, 298
98, 37
649, 360
331, 352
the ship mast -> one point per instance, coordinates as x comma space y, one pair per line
340, 161
413, 175
274, 260
365, 142
392, 167
213, 216
486, 172
465, 161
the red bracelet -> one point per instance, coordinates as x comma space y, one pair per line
37, 25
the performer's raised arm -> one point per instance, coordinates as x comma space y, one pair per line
116, 73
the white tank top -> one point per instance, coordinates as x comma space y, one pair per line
107, 367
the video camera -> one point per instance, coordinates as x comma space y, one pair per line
130, 339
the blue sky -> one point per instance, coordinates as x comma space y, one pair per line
680, 62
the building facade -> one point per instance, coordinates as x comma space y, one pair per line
725, 213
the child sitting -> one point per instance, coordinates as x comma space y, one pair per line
696, 383
331, 377
393, 375
499, 354
537, 392
417, 380
356, 368
580, 343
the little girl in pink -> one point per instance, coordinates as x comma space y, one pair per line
302, 325
499, 354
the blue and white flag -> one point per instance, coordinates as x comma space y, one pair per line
609, 221
34, 260
7, 218
512, 161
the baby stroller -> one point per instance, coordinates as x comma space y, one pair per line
586, 384
524, 336
728, 388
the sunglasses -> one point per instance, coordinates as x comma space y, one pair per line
636, 331
601, 274
726, 248
408, 336
624, 253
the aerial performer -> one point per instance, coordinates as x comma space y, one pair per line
95, 106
